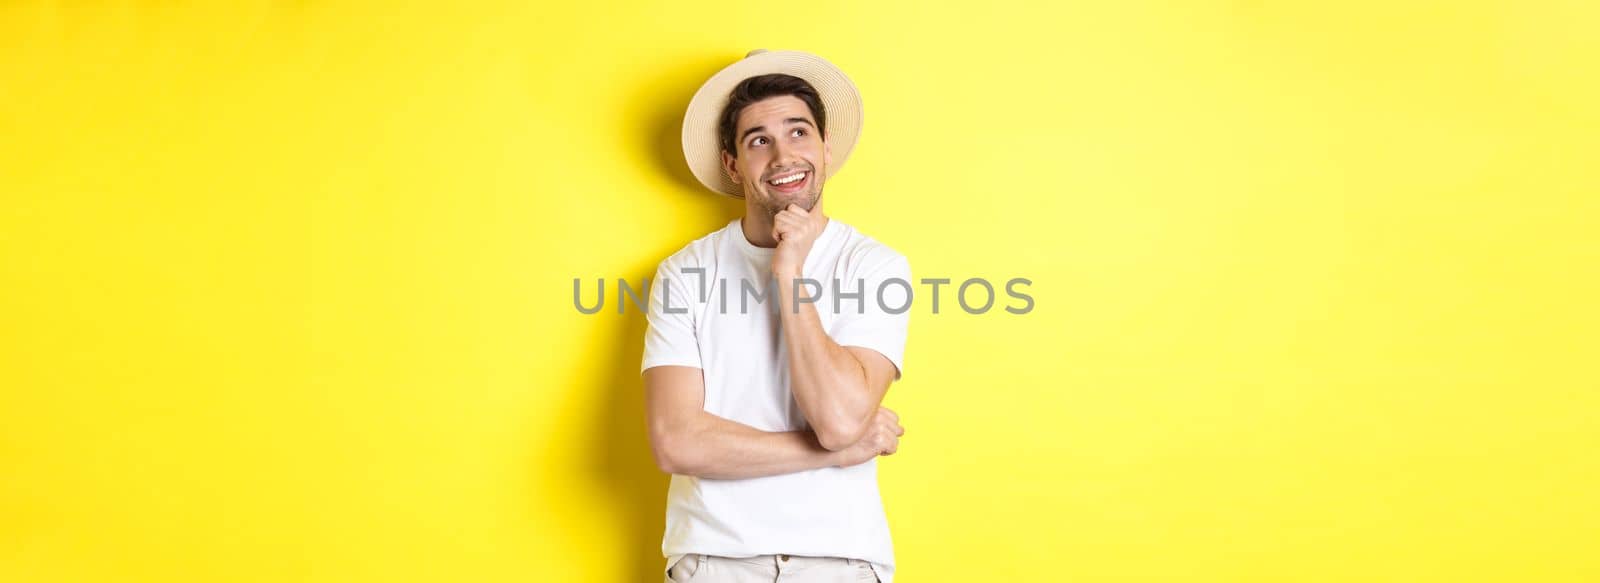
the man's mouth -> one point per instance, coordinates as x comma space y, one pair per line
791, 182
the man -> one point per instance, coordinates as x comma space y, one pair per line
772, 342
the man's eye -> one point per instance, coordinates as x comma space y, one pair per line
758, 141
799, 132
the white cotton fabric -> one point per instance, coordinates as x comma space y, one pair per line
826, 512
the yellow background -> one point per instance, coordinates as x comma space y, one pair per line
287, 285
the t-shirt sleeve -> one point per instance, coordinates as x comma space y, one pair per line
880, 323
669, 339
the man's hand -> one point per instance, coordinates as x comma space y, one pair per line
795, 231
883, 438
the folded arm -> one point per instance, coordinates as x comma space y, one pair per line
838, 388
690, 441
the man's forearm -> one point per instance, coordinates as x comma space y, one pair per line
719, 448
828, 383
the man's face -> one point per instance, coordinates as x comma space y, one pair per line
782, 157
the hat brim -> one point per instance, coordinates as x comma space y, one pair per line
702, 148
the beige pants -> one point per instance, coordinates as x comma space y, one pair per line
698, 568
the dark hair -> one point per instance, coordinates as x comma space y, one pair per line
761, 87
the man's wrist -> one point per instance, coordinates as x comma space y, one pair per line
792, 287
786, 274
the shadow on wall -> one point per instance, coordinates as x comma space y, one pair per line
624, 466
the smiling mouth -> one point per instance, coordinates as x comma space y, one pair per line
792, 182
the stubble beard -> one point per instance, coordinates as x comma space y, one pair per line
773, 203
807, 200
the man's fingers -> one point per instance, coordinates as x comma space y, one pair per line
783, 225
780, 229
892, 415
788, 219
898, 430
889, 442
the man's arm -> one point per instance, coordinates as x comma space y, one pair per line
839, 389
690, 441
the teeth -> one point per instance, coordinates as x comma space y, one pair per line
788, 179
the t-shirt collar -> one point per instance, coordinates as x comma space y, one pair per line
743, 242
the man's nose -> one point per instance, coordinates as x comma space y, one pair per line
785, 156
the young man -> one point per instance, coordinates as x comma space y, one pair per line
772, 342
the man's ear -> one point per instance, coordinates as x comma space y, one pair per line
729, 167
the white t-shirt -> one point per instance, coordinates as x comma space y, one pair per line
825, 512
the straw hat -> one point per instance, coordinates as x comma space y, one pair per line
701, 146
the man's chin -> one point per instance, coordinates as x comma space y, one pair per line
778, 202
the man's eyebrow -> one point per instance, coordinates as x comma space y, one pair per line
747, 132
